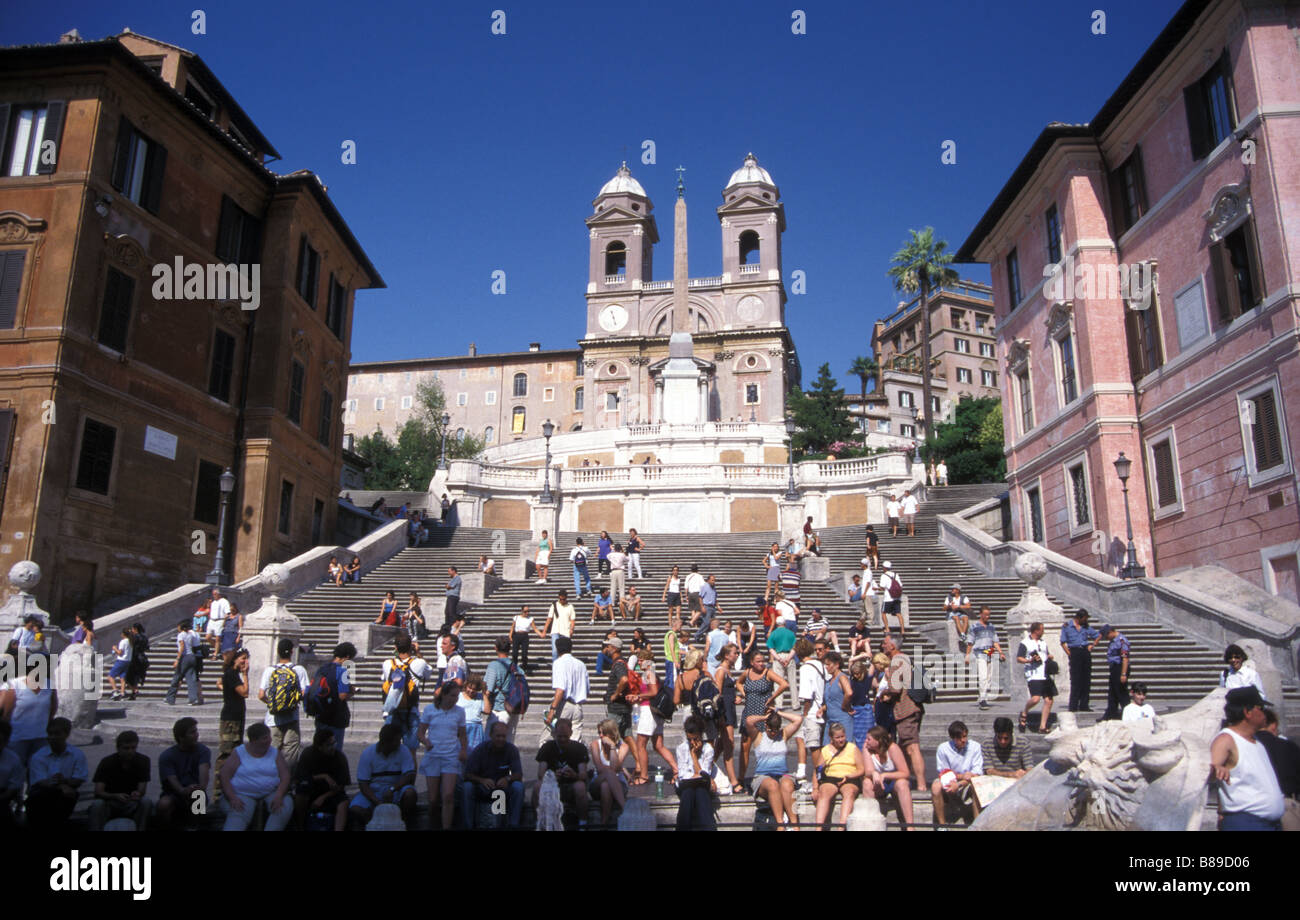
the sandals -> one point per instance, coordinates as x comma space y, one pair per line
1024, 722
738, 789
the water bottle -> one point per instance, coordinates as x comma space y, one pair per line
659, 783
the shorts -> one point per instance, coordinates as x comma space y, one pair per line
774, 574
623, 716
649, 724
693, 601
893, 521
544, 557
909, 730
119, 668
215, 627
756, 780
1041, 688
674, 599
893, 607
566, 790
909, 518
888, 788
435, 764
360, 801
811, 733
841, 782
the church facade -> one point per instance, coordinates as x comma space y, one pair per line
742, 346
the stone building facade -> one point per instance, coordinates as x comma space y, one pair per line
1146, 272
122, 401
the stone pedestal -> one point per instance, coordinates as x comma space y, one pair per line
272, 622
78, 678
790, 517
24, 576
543, 516
815, 569
476, 587
365, 636
515, 569
1035, 607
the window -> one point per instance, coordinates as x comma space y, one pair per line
517, 420
297, 381
460, 434
115, 317
11, 277
462, 399
406, 377
907, 431
336, 307
1264, 433
317, 521
286, 506
381, 379
199, 99
1026, 397
492, 371
489, 433
986, 349
95, 464
490, 398
981, 323
611, 401
616, 259
905, 399
1164, 475
1035, 502
548, 394
1128, 191
521, 385
239, 236
550, 367
1238, 281
138, 167
963, 346
1069, 384
223, 365
1142, 329
207, 493
24, 133
308, 271
325, 426
1013, 278
7, 417
1210, 108
988, 379
1053, 222
963, 375
934, 406
882, 426
578, 395
464, 373
751, 394
1080, 515
406, 402
379, 404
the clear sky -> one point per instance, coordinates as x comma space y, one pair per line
478, 152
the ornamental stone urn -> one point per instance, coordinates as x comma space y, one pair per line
271, 622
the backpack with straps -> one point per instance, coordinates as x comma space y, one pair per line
514, 691
401, 679
895, 587
322, 694
283, 693
707, 703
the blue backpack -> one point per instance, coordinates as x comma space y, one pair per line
514, 691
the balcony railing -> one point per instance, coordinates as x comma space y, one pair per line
749, 269
615, 279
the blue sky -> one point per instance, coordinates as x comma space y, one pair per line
478, 152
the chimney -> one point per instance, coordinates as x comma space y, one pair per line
534, 346
473, 349
70, 37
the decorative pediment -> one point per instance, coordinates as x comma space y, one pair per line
1060, 319
125, 250
16, 227
1018, 355
1229, 210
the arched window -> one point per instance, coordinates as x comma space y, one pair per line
460, 434
521, 384
616, 259
750, 251
517, 420
578, 396
488, 434
699, 320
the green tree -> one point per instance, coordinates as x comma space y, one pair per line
971, 444
408, 464
385, 470
921, 265
432, 405
864, 368
820, 414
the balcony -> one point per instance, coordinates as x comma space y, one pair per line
749, 269
616, 279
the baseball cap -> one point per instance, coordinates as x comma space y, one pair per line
1246, 697
887, 565
615, 642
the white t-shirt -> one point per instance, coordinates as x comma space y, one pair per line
785, 611
220, 609
284, 718
578, 555
570, 675
442, 728
894, 508
562, 616
418, 667
909, 505
523, 623
124, 650
1027, 648
812, 686
694, 582
188, 641
952, 604
616, 561
1135, 713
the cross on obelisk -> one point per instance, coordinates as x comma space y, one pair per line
681, 274
681, 186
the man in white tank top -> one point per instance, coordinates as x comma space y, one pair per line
1250, 798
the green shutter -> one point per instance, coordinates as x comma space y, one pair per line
53, 132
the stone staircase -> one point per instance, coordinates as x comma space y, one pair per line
1176, 670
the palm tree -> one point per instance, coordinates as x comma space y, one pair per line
864, 368
923, 264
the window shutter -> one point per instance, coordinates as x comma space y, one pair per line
1197, 127
1132, 332
115, 317
155, 166
1166, 490
250, 241
226, 231
1221, 269
11, 276
4, 127
53, 132
1139, 181
1265, 433
122, 156
1258, 287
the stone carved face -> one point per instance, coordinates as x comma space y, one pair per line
1111, 771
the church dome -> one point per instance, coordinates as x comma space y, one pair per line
622, 184
751, 172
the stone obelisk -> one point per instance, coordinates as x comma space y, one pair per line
683, 399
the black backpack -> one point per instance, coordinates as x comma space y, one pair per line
708, 705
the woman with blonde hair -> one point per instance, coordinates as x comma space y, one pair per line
609, 784
727, 721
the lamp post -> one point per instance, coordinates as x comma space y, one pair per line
1131, 568
446, 423
218, 574
547, 430
790, 493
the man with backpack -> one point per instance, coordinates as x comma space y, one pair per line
891, 586
506, 689
578, 556
327, 697
404, 674
281, 689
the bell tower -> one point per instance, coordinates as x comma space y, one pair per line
623, 233
753, 220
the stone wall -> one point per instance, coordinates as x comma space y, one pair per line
600, 514
775, 455
511, 514
842, 510
750, 515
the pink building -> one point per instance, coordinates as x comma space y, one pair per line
1146, 273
